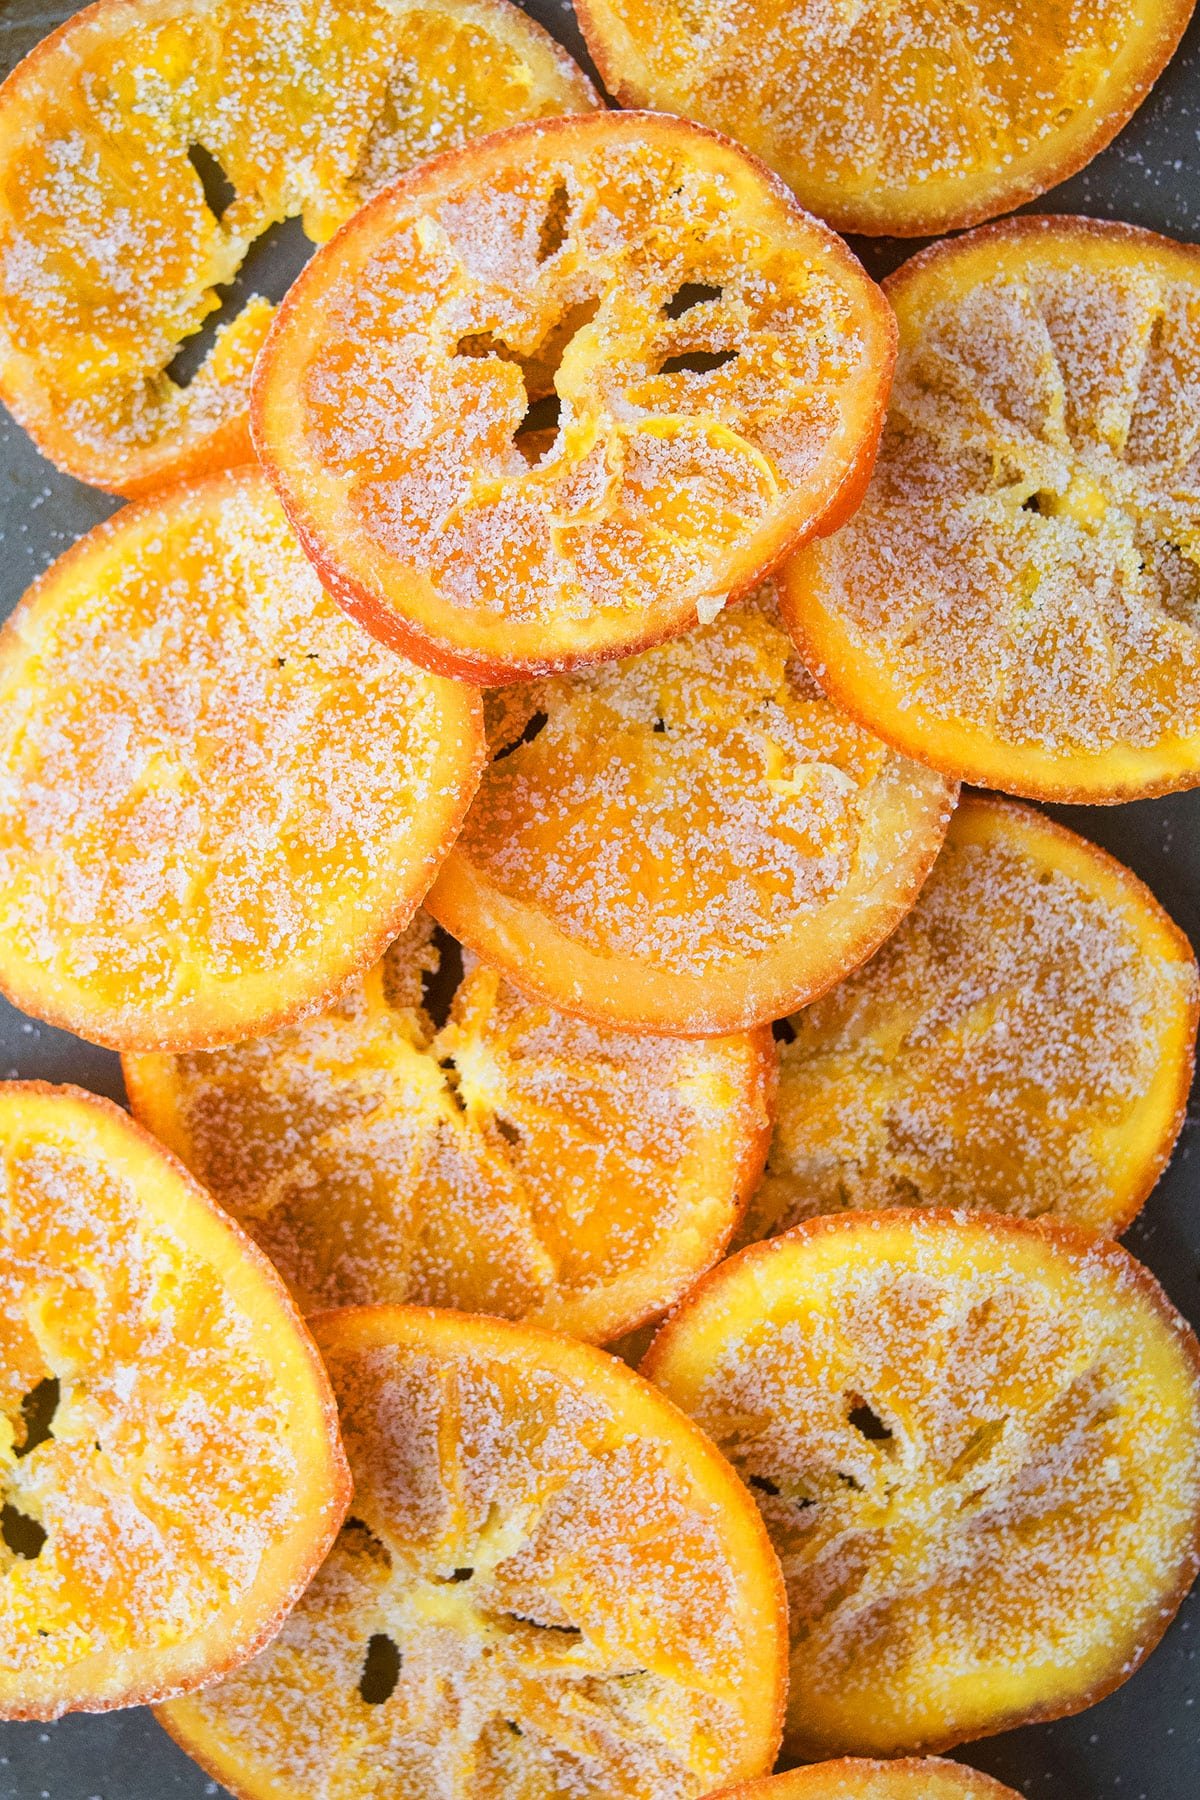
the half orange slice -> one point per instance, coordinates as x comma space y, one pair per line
858, 1778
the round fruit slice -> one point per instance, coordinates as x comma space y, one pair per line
552, 1585
976, 1445
1024, 1042
515, 1161
692, 841
1018, 600
169, 1454
896, 116
147, 146
218, 798
855, 1778
552, 397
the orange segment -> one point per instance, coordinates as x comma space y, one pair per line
1024, 1042
218, 798
550, 398
976, 1445
553, 1585
1018, 600
895, 116
169, 1456
516, 1161
144, 147
859, 1778
691, 841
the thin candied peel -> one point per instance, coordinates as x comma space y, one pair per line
867, 1778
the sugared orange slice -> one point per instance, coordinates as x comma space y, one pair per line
169, 1456
859, 1778
551, 397
692, 841
218, 798
552, 1586
516, 1161
896, 116
1018, 600
976, 1445
145, 146
1023, 1042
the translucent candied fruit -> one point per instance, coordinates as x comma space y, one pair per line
861, 1778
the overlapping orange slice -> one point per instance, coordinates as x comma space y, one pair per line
860, 1778
1018, 600
552, 1585
169, 1457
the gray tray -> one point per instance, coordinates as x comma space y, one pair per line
1143, 1743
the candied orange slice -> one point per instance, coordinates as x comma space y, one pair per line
899, 117
169, 1456
859, 1778
516, 1161
146, 146
1018, 600
976, 1445
1024, 1042
552, 1585
691, 841
552, 397
218, 798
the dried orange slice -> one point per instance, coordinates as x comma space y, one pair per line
976, 1445
169, 1454
896, 116
145, 146
1018, 600
1024, 1042
552, 1585
692, 841
516, 1161
859, 1778
553, 396
218, 798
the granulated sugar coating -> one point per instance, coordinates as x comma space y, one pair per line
976, 1445
168, 1442
895, 116
694, 840
516, 1161
1018, 600
552, 1587
148, 143
219, 799
862, 1778
1023, 1042
549, 399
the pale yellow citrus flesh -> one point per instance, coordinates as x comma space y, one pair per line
862, 1778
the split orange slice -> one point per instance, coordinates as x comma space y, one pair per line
515, 1161
552, 397
693, 841
855, 1778
169, 1456
1018, 600
976, 1445
896, 116
218, 798
145, 146
1024, 1042
552, 1585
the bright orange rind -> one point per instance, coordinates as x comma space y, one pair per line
857, 1778
976, 1445
552, 1585
169, 1455
1024, 1042
219, 799
1017, 602
146, 145
551, 397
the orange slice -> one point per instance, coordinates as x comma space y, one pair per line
976, 1445
855, 1778
218, 798
1018, 600
169, 1455
1024, 1042
145, 146
515, 1161
693, 841
552, 1585
553, 396
896, 116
